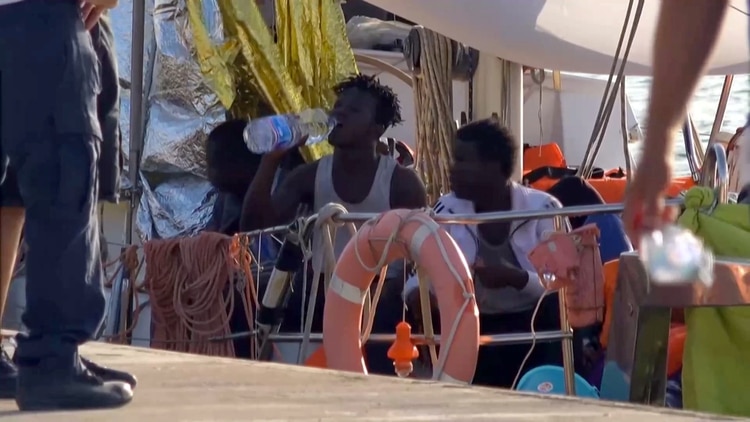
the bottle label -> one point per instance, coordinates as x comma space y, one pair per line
281, 129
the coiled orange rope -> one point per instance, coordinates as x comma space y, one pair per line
192, 282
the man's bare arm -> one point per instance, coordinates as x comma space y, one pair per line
261, 209
407, 190
686, 34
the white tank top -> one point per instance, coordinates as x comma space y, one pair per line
377, 200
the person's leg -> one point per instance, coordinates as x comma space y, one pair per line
12, 216
51, 134
498, 366
11, 226
110, 158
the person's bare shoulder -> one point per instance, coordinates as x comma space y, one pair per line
407, 189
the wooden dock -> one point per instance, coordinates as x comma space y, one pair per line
179, 387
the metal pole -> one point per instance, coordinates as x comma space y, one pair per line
500, 216
136, 141
715, 172
136, 111
569, 370
484, 340
721, 109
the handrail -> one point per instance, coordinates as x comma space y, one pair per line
504, 216
484, 340
480, 218
715, 172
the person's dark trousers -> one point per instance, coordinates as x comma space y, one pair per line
498, 365
108, 111
49, 80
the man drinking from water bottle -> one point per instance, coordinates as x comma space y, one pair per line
356, 176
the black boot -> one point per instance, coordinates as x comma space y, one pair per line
109, 374
8, 375
44, 385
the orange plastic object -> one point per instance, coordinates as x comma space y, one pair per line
542, 156
610, 270
676, 348
612, 189
403, 351
317, 359
677, 332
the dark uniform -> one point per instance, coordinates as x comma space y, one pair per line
50, 135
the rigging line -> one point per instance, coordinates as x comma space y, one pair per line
607, 87
738, 10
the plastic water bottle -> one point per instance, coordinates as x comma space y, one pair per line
284, 130
674, 255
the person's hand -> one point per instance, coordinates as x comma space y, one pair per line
645, 208
277, 154
499, 276
90, 13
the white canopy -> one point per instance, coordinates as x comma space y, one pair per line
566, 35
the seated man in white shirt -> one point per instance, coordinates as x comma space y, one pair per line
507, 287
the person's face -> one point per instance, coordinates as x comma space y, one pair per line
471, 176
354, 112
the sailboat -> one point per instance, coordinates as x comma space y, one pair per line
552, 34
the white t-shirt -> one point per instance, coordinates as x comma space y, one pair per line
7, 2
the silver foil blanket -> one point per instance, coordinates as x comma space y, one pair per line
180, 111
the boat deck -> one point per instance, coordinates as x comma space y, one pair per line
180, 387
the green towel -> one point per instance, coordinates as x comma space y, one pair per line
716, 367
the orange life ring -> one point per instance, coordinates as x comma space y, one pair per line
403, 234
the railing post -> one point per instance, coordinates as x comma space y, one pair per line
567, 341
715, 172
636, 363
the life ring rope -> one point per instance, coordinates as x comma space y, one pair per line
429, 227
326, 226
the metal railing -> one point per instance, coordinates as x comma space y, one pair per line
558, 215
420, 339
506, 216
715, 172
565, 334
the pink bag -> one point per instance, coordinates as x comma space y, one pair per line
574, 261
